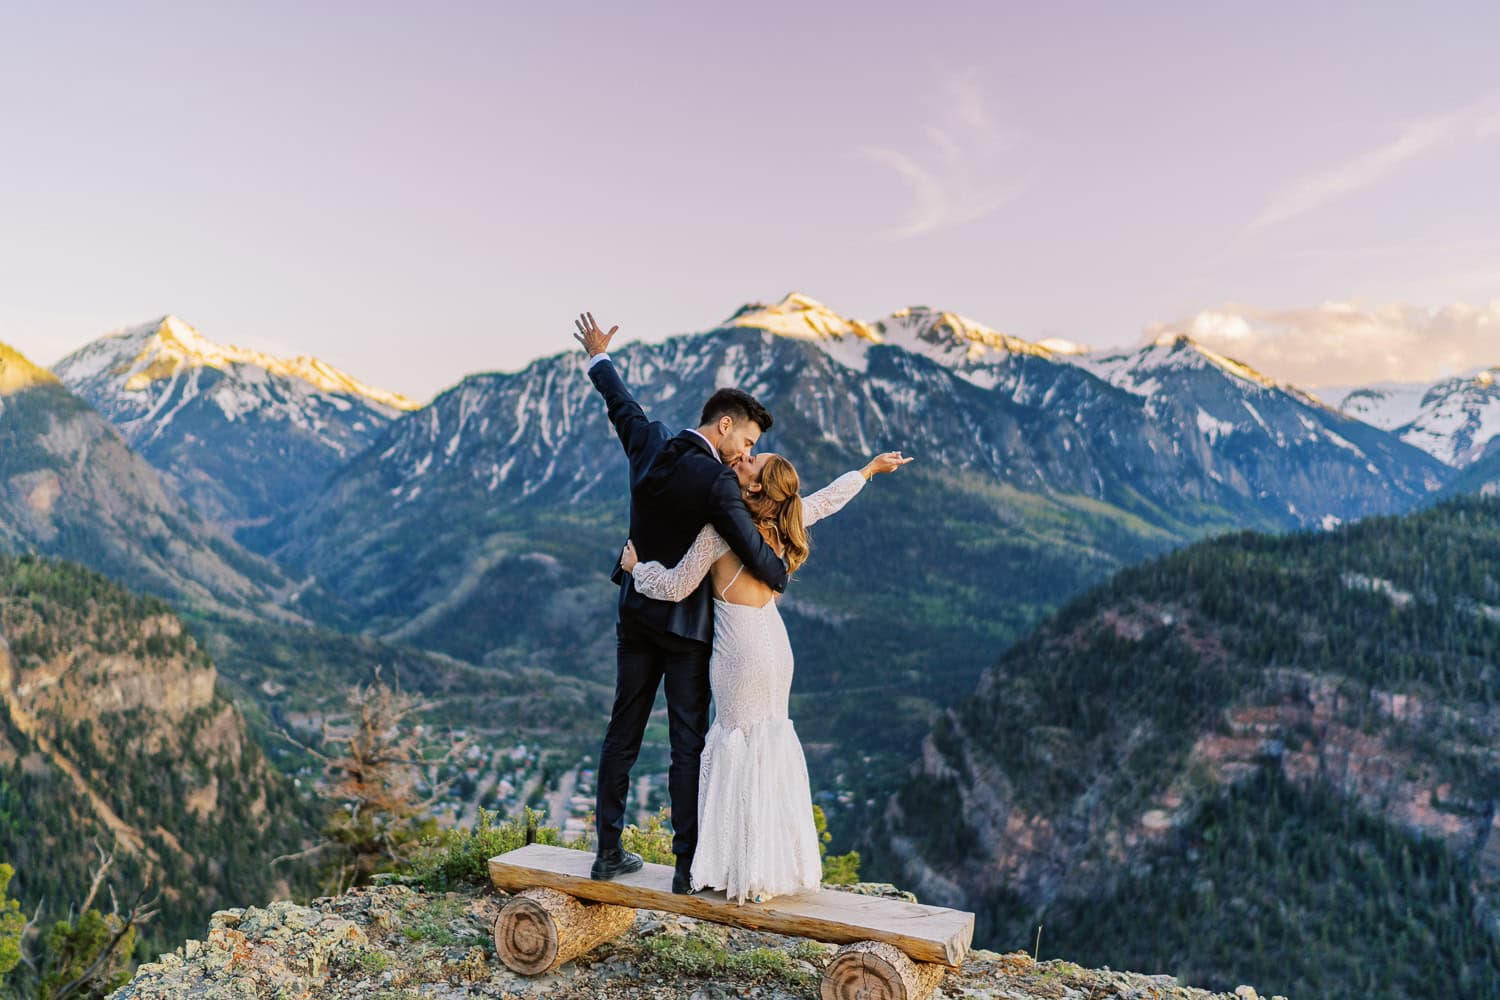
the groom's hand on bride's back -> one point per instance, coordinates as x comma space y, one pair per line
594, 340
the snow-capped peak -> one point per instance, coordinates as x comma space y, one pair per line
805, 318
1457, 418
17, 373
1059, 346
800, 316
1140, 371
952, 335
969, 348
141, 355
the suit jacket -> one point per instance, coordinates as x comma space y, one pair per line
677, 485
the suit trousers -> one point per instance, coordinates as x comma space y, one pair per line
644, 658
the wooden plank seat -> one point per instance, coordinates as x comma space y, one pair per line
893, 948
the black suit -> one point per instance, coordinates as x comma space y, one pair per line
677, 485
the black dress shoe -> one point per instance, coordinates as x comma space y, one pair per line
682, 884
613, 862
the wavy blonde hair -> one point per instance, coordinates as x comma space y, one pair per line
778, 506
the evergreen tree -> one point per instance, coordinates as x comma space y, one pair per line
11, 924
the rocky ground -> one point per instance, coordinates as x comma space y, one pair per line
395, 943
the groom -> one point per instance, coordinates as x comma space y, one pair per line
677, 485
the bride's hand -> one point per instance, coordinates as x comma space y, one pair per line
888, 461
628, 557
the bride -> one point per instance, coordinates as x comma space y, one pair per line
755, 824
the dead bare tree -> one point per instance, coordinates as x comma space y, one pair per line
375, 767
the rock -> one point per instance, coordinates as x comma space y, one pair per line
883, 889
227, 918
541, 986
472, 968
325, 950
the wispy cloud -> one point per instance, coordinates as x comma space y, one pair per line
1339, 343
965, 171
1470, 124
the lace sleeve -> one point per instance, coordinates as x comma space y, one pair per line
831, 498
662, 584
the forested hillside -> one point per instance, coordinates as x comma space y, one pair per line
112, 733
1287, 744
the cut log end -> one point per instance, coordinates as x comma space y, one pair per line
540, 929
874, 970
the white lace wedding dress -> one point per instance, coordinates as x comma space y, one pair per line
755, 826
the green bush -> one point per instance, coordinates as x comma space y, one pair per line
456, 857
70, 950
11, 922
701, 952
654, 843
838, 869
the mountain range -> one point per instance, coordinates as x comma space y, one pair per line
309, 527
481, 525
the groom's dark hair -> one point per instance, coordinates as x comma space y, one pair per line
737, 404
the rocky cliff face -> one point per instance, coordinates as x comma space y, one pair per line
113, 732
1256, 733
394, 941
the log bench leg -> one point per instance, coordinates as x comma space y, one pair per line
540, 929
874, 970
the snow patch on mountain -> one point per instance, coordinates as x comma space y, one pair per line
1387, 405
1213, 428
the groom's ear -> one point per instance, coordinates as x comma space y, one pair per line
726, 424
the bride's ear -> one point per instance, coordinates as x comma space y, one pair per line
754, 487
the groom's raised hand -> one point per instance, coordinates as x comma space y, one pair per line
594, 340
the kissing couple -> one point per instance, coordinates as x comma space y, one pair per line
715, 532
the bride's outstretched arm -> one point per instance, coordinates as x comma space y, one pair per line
831, 498
660, 583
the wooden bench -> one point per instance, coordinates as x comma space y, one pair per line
892, 949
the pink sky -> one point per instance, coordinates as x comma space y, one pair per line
416, 192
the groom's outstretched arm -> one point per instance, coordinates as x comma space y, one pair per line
731, 519
636, 431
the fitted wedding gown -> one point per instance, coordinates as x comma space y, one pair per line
755, 824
